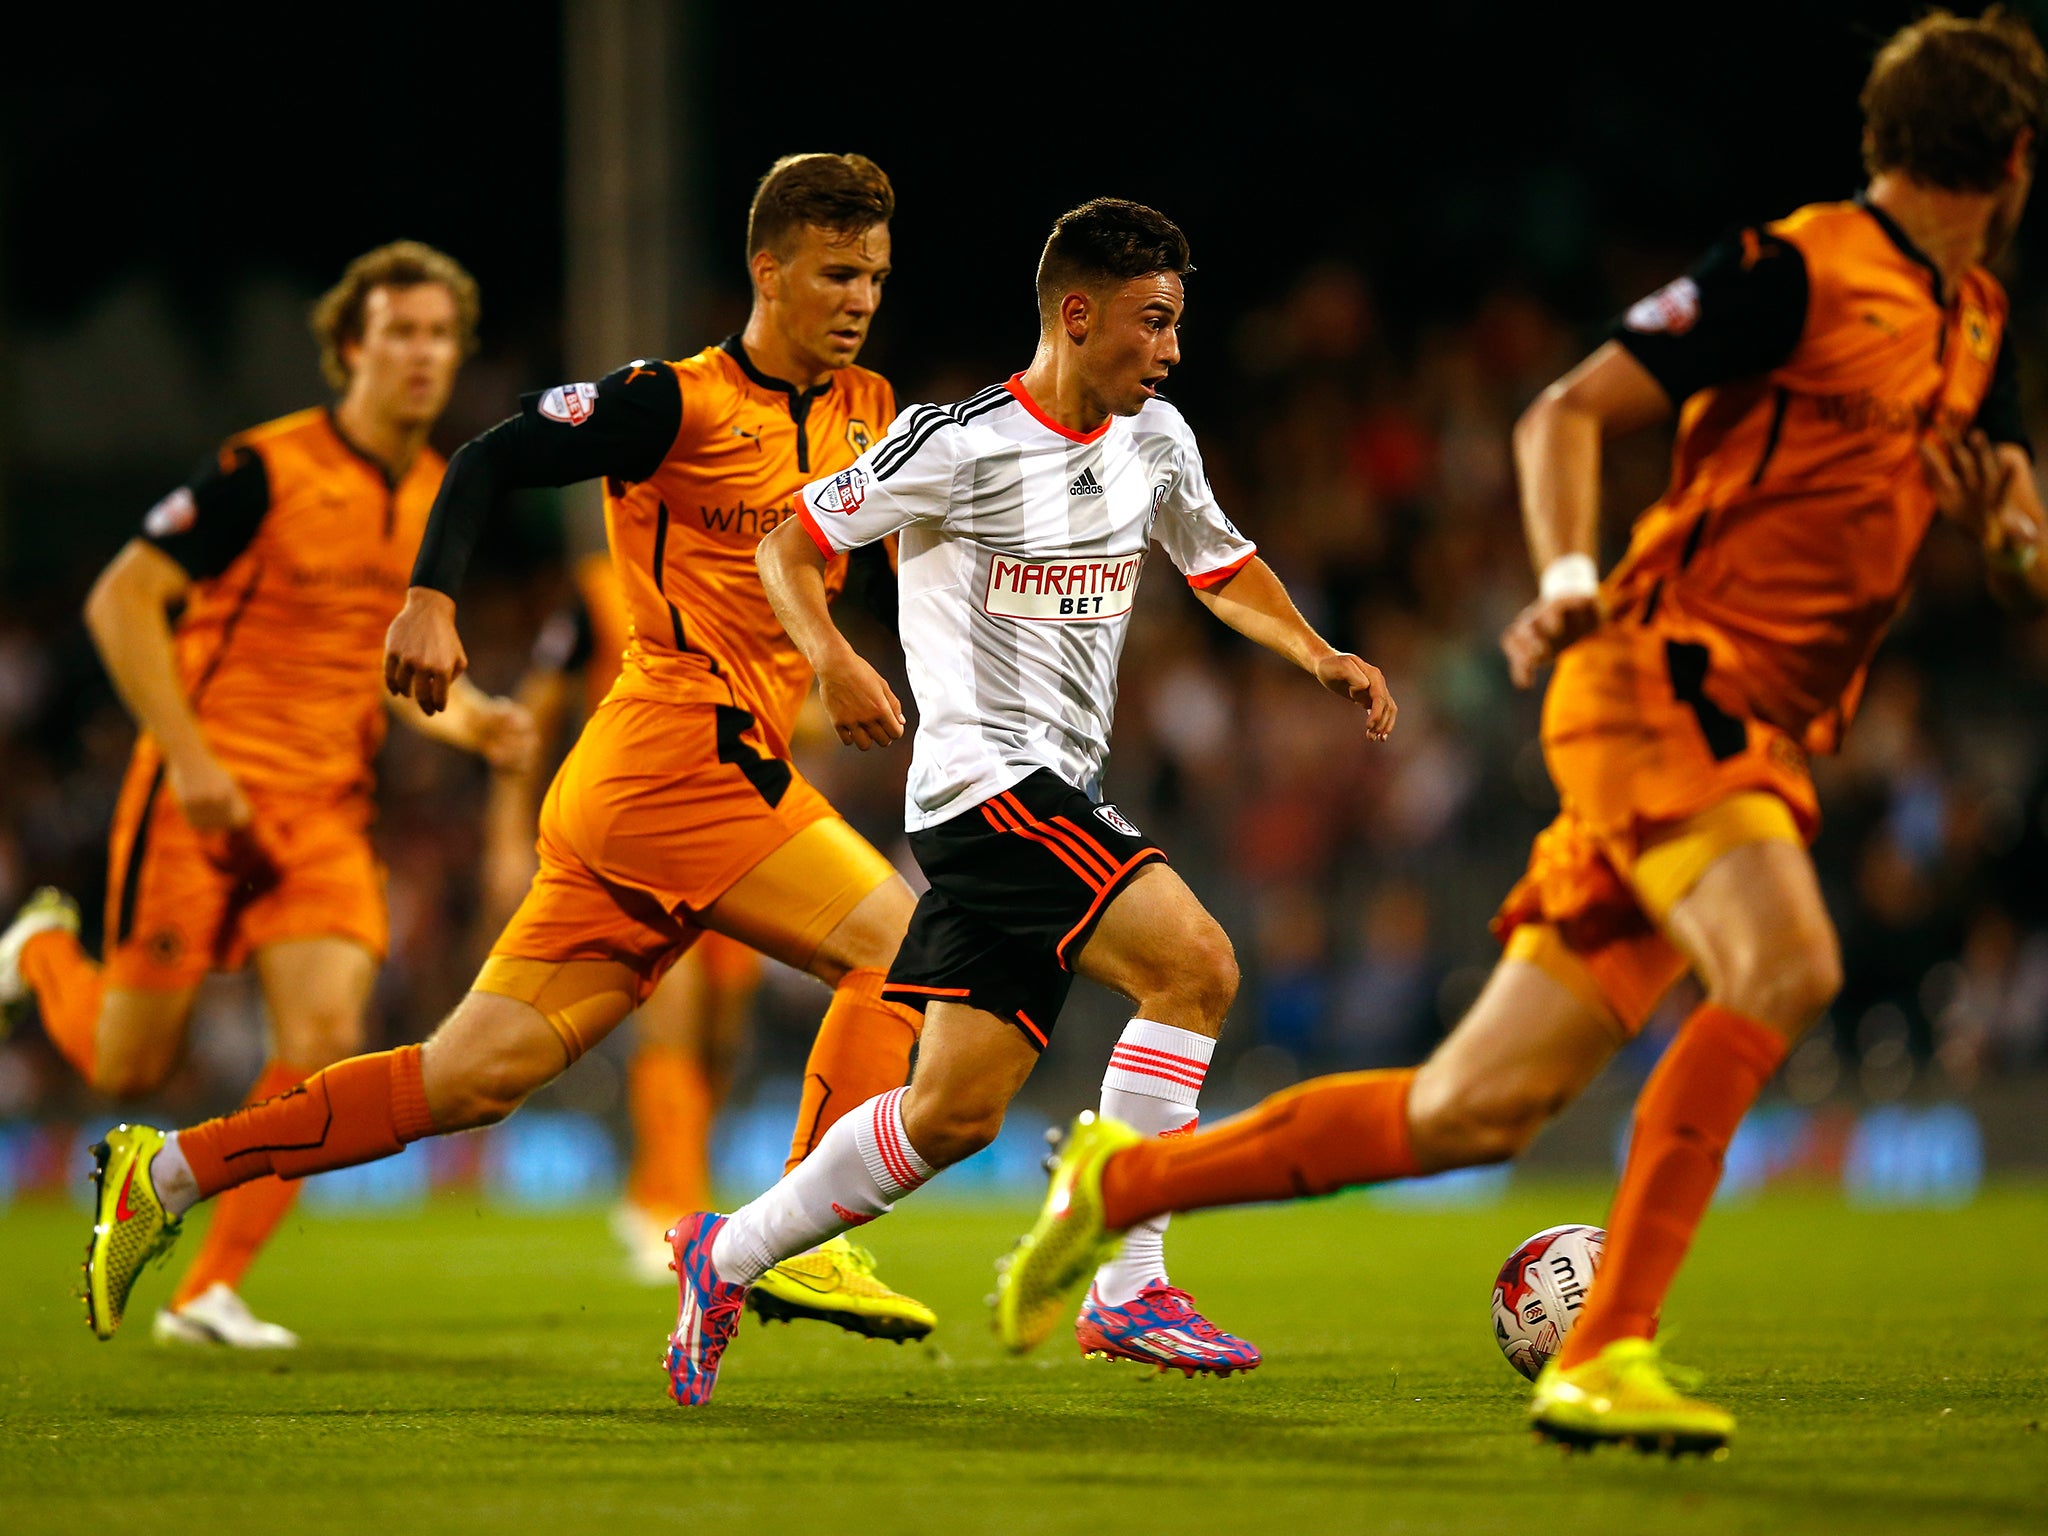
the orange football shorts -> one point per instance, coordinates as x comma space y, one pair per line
181, 903
658, 811
1658, 780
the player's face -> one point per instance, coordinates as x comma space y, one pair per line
404, 367
825, 292
1136, 342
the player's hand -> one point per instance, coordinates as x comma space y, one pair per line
1542, 630
502, 733
1973, 487
208, 795
422, 653
1363, 684
860, 703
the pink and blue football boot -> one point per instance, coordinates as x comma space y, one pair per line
707, 1314
1161, 1327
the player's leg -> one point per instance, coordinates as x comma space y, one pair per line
825, 901
315, 990
970, 1065
1536, 1035
1758, 933
1527, 1047
478, 1067
1158, 946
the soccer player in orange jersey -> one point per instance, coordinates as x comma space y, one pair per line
689, 1032
678, 811
242, 833
1842, 377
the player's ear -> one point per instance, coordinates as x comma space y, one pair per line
766, 267
2021, 161
350, 352
1077, 314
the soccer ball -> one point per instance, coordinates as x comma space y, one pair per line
1539, 1291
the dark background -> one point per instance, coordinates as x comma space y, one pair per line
1403, 226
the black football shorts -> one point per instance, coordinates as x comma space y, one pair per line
1017, 885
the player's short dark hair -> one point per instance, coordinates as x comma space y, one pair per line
1106, 240
1948, 95
844, 194
337, 316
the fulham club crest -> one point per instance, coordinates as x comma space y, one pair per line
1112, 817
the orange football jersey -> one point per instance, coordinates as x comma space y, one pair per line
299, 548
1812, 359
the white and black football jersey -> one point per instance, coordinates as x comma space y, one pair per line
1021, 548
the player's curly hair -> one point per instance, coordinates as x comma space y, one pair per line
844, 194
1106, 240
1948, 95
338, 315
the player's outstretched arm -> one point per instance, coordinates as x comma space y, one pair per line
863, 708
1557, 460
1255, 604
622, 427
500, 731
126, 614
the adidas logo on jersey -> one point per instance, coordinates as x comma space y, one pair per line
1085, 484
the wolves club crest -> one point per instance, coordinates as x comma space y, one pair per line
858, 437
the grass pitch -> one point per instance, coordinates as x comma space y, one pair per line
471, 1370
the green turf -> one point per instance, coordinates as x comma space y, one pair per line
470, 1370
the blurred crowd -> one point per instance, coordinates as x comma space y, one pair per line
1372, 466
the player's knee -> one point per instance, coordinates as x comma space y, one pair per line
1197, 982
1455, 1125
487, 1090
1787, 984
128, 1079
945, 1134
320, 1038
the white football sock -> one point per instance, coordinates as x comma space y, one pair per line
1154, 1078
859, 1169
171, 1176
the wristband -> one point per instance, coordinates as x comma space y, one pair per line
2018, 558
1569, 576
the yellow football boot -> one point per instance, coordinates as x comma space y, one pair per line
836, 1283
1624, 1396
129, 1225
1068, 1242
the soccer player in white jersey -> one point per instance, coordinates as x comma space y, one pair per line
1025, 514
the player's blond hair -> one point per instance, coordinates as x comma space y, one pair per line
338, 316
844, 194
1948, 95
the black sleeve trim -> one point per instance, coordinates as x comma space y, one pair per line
207, 522
620, 428
2000, 417
566, 641
1738, 313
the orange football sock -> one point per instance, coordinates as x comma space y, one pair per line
1320, 1136
862, 1051
68, 985
1685, 1118
669, 1097
354, 1112
246, 1216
